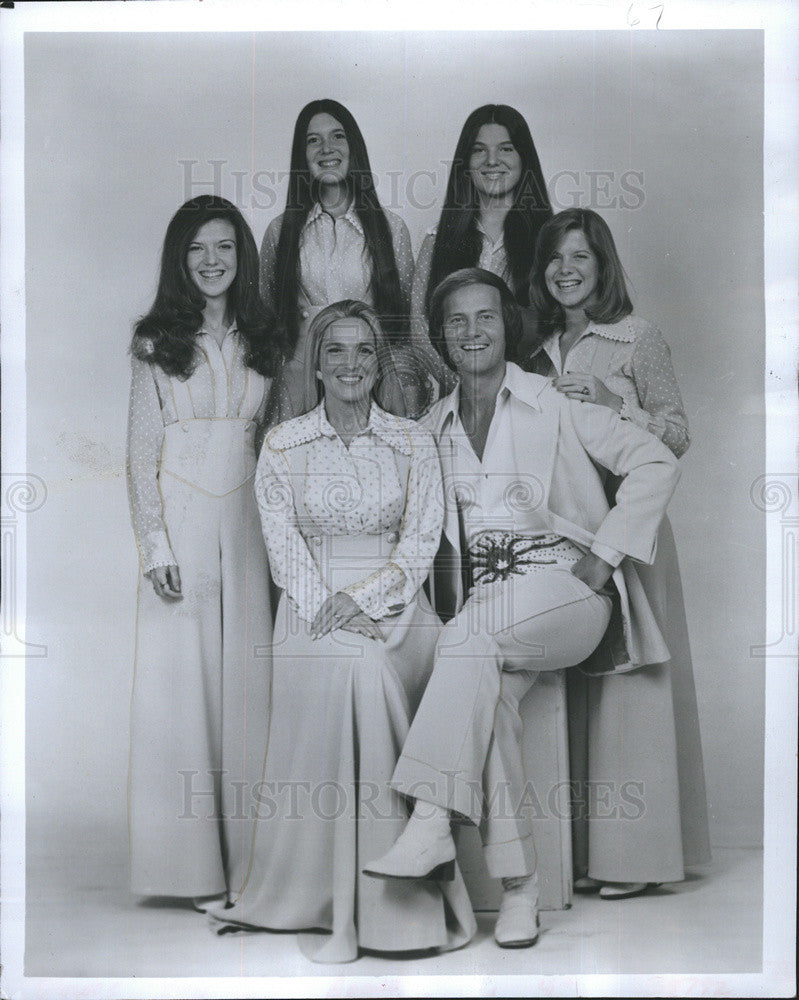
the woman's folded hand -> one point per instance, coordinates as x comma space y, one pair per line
166, 582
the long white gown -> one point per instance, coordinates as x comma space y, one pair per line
201, 677
365, 519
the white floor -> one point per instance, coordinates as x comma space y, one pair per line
82, 922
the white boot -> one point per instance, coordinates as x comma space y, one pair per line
517, 922
424, 849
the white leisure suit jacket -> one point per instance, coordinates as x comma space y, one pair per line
562, 442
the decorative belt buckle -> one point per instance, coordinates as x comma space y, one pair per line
496, 555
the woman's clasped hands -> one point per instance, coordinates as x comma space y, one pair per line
341, 612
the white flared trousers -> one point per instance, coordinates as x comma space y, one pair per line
464, 748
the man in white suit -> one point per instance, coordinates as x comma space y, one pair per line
532, 566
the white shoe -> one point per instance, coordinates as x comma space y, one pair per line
415, 855
517, 923
624, 890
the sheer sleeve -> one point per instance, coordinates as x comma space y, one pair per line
420, 337
392, 587
403, 254
145, 439
268, 261
293, 567
420, 278
661, 412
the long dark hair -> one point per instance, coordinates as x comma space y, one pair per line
612, 299
303, 192
458, 241
167, 334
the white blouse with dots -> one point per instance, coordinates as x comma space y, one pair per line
334, 263
310, 485
221, 386
634, 361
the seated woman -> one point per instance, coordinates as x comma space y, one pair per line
495, 205
642, 727
351, 504
334, 241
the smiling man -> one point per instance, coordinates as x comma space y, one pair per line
531, 566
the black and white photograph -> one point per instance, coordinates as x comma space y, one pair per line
400, 499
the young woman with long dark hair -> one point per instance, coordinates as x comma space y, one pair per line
495, 205
334, 241
203, 361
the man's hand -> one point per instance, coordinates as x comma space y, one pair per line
593, 571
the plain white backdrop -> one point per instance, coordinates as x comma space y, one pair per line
121, 127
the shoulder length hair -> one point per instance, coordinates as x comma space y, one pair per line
511, 313
303, 192
458, 241
612, 299
167, 334
346, 309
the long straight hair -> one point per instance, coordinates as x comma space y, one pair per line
612, 301
167, 334
303, 192
458, 241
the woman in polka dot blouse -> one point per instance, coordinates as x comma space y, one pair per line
352, 508
335, 241
638, 730
203, 360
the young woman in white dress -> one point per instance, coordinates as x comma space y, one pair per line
638, 730
351, 503
203, 361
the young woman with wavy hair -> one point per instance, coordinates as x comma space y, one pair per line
203, 361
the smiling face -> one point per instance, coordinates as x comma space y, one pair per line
495, 166
211, 258
572, 274
474, 330
327, 150
348, 364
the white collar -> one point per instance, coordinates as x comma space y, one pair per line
525, 386
350, 215
396, 432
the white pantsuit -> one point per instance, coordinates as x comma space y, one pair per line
199, 702
465, 736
